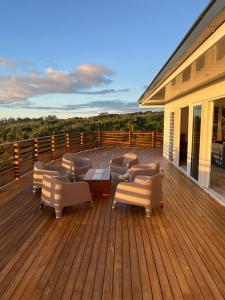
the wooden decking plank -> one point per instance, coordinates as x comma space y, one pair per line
212, 263
22, 260
187, 249
91, 272
117, 293
183, 259
49, 279
206, 223
209, 279
210, 207
150, 261
64, 273
41, 263
178, 252
74, 272
144, 274
126, 267
80, 280
24, 272
167, 262
135, 280
100, 271
181, 278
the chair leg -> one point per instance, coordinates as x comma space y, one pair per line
114, 204
162, 204
41, 205
58, 213
148, 212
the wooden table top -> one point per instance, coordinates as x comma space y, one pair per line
97, 174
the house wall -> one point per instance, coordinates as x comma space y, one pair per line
204, 97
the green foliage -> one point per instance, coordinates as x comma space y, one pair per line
20, 129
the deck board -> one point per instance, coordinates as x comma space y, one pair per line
103, 254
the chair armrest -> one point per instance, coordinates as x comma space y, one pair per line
51, 173
117, 161
87, 161
57, 168
142, 179
132, 162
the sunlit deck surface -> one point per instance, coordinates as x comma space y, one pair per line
103, 254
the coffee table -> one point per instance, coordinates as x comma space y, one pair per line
99, 181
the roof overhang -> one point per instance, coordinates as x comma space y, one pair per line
196, 41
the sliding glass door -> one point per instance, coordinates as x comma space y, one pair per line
196, 141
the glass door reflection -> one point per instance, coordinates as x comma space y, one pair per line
196, 141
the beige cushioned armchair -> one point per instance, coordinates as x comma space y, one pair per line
148, 169
59, 192
41, 169
75, 164
145, 191
121, 164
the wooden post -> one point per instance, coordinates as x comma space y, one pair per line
99, 142
130, 138
35, 149
52, 148
81, 141
16, 160
153, 139
67, 142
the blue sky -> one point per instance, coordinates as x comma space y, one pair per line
83, 57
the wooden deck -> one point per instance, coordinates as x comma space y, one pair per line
98, 253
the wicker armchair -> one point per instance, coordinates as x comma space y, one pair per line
120, 165
145, 191
149, 169
41, 169
75, 165
59, 192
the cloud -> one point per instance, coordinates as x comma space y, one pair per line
7, 63
13, 64
16, 88
114, 106
104, 92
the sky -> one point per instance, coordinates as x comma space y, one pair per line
84, 57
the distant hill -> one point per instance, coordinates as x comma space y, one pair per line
18, 129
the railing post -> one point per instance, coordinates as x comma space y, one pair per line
35, 149
67, 142
130, 138
153, 139
52, 148
99, 141
81, 141
16, 160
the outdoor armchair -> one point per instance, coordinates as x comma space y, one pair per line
75, 164
59, 192
145, 191
149, 169
41, 169
121, 164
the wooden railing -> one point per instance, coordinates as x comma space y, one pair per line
18, 158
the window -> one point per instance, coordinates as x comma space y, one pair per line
186, 74
220, 49
173, 81
200, 63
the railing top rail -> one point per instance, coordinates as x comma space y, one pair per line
76, 132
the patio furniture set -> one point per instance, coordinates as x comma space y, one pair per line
76, 181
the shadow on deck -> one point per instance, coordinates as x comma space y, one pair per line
99, 253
